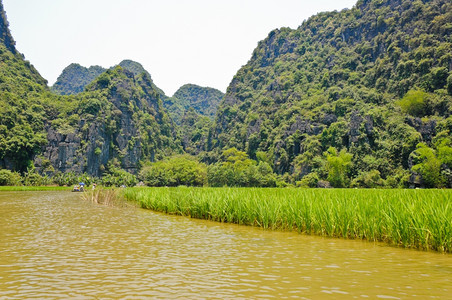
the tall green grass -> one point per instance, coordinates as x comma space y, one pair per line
419, 219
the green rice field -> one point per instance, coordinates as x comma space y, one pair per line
420, 219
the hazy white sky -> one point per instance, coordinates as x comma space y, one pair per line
203, 42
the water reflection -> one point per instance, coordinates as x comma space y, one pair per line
55, 245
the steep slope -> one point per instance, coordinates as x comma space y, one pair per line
75, 78
193, 108
136, 68
336, 82
23, 104
203, 100
119, 117
195, 132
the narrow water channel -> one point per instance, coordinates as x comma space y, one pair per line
56, 245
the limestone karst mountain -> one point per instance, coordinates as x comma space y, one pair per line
374, 81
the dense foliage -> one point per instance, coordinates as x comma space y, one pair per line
236, 169
374, 81
118, 177
195, 131
175, 171
24, 102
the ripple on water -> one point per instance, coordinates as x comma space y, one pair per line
55, 245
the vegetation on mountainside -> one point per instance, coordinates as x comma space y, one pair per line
374, 82
75, 78
24, 105
128, 109
138, 69
193, 108
195, 131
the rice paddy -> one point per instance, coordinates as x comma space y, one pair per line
420, 219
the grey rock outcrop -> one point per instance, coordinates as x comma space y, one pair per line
94, 141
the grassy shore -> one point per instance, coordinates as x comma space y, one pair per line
419, 219
34, 188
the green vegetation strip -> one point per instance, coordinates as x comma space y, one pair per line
409, 218
34, 188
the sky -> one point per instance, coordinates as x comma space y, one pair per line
203, 42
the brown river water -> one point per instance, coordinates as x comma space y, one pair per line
56, 245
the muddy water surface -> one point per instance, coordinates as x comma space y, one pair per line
55, 245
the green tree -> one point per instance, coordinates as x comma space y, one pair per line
115, 176
414, 103
236, 169
449, 84
309, 180
338, 166
371, 179
427, 164
175, 171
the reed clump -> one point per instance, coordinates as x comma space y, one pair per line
108, 197
418, 219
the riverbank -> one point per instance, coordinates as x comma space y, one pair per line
34, 188
419, 219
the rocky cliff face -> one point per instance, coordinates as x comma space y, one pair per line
89, 150
121, 117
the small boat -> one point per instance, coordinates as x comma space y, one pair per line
79, 188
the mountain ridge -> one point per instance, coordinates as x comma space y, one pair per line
337, 81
